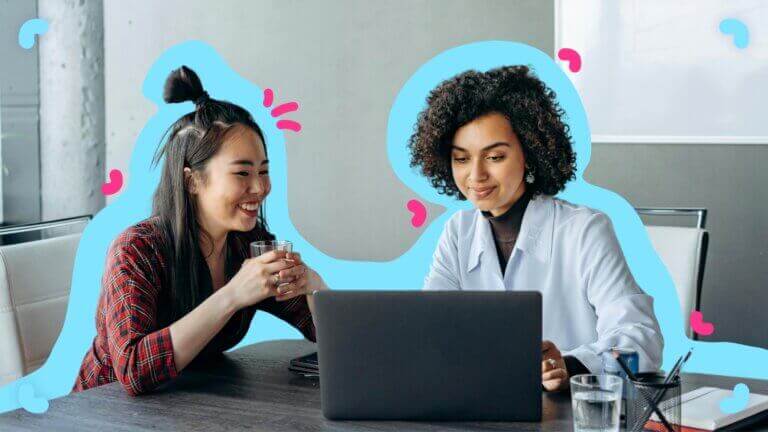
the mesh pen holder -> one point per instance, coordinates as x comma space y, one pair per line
641, 392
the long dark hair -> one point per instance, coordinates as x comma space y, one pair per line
191, 142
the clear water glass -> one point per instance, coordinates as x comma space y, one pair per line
264, 246
596, 402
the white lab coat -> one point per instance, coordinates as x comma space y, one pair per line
570, 254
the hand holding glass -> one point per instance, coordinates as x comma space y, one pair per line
261, 247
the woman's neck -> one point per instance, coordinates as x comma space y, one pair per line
212, 244
214, 251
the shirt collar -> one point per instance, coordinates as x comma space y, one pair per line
506, 226
535, 236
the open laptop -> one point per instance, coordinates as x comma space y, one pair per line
429, 355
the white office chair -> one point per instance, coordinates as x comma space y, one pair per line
683, 250
35, 279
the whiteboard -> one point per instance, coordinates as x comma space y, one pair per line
661, 71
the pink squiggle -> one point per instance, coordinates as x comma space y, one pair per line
285, 108
289, 124
572, 57
419, 212
269, 97
114, 184
699, 325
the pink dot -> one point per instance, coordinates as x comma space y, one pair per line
269, 97
419, 212
572, 57
114, 184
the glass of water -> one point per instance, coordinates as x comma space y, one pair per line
262, 247
596, 401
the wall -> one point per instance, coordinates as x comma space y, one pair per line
728, 180
19, 106
342, 60
71, 108
52, 110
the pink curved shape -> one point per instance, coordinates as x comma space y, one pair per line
114, 184
289, 124
419, 212
285, 108
572, 57
269, 97
699, 325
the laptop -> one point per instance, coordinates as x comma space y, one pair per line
429, 355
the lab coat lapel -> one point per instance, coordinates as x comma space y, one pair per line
481, 233
537, 228
482, 254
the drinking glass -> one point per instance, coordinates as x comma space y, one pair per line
596, 401
264, 246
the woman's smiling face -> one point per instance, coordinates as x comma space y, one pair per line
233, 185
488, 164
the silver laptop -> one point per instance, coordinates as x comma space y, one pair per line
429, 355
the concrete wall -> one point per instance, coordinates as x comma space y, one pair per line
19, 104
730, 181
71, 108
52, 110
341, 60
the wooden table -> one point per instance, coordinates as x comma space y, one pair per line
251, 389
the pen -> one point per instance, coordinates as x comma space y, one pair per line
653, 403
671, 376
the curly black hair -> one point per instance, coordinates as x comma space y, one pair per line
516, 93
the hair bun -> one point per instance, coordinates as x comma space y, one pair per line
183, 85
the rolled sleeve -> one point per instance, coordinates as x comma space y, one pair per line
141, 355
625, 316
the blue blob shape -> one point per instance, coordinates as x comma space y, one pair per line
737, 401
57, 376
28, 30
736, 28
30, 402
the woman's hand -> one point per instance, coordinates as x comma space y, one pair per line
301, 279
258, 278
554, 375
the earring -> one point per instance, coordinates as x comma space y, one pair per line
529, 177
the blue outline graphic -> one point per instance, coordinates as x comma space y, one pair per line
56, 377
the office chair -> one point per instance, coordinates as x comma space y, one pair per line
683, 250
35, 279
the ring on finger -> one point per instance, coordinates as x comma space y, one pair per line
552, 363
276, 279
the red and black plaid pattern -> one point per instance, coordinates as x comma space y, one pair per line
129, 346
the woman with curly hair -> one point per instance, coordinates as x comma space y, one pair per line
497, 138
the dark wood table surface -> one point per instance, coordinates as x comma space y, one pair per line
251, 389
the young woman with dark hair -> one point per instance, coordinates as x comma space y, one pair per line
180, 286
498, 139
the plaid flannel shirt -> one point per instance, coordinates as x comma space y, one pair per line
130, 346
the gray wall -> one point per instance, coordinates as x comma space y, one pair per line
730, 181
52, 110
341, 60
346, 54
71, 108
19, 104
